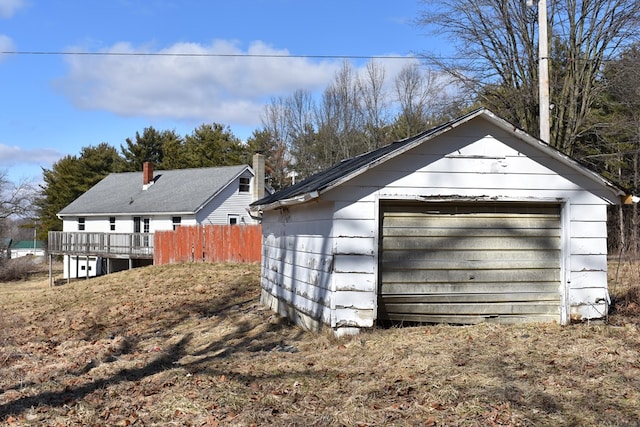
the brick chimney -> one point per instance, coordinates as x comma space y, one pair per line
147, 174
258, 179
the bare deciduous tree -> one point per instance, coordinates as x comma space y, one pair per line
355, 113
375, 109
15, 199
300, 109
496, 55
416, 92
274, 122
339, 118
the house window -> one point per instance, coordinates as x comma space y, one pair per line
80, 224
245, 186
145, 229
233, 219
176, 220
112, 223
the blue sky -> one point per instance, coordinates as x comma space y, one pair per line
53, 105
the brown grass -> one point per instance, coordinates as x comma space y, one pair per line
189, 345
21, 268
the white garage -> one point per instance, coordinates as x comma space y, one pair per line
472, 221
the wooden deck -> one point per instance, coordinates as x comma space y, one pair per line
107, 245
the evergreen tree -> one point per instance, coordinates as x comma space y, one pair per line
69, 178
214, 145
174, 151
148, 147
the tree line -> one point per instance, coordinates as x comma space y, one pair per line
208, 145
594, 58
300, 135
594, 79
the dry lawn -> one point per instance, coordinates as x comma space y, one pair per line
190, 345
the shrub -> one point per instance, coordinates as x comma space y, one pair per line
18, 268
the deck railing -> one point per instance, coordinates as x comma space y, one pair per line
108, 245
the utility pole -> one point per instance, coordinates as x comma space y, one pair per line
543, 71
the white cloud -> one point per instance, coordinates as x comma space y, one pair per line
6, 45
14, 155
229, 89
9, 7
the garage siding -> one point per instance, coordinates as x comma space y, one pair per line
469, 262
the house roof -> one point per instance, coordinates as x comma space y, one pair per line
321, 182
27, 244
179, 191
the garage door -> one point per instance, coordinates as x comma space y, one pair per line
469, 263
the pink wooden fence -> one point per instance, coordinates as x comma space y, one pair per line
211, 243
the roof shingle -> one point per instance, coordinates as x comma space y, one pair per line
173, 191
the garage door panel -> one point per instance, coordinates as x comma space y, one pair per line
468, 320
473, 298
467, 261
463, 255
474, 208
418, 263
452, 232
427, 243
391, 290
470, 276
475, 223
481, 309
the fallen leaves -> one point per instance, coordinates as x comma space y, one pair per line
191, 345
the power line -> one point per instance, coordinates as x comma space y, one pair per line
238, 55
204, 55
243, 55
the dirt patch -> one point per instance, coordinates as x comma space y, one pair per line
189, 344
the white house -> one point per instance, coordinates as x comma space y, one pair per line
471, 221
22, 248
110, 227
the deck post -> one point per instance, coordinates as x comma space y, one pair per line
50, 271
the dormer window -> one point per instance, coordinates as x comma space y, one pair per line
245, 185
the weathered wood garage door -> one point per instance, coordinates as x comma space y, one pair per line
468, 263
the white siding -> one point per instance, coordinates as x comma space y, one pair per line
124, 224
17, 253
229, 202
76, 267
587, 281
297, 260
